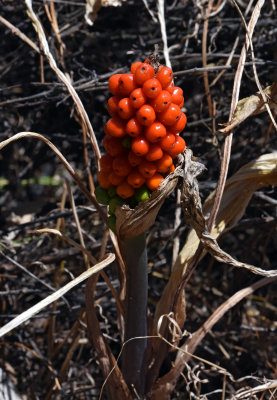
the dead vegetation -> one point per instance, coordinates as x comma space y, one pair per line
216, 339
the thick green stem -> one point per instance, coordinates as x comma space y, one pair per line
133, 364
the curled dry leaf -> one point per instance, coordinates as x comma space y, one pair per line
131, 223
93, 6
252, 105
237, 194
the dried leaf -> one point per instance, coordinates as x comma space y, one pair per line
130, 223
251, 106
93, 6
237, 194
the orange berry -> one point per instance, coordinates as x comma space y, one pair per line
155, 152
143, 72
125, 109
135, 179
127, 84
106, 162
112, 105
147, 169
164, 163
155, 132
133, 159
170, 87
177, 95
168, 141
115, 179
121, 166
178, 147
179, 125
182, 103
133, 127
116, 127
134, 66
161, 102
154, 182
171, 168
151, 88
113, 146
140, 146
146, 115
125, 190
165, 76
103, 179
114, 83
138, 98
170, 115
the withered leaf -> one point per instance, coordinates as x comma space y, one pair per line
252, 105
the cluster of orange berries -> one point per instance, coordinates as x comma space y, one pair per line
142, 136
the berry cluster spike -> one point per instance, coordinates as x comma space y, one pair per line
142, 136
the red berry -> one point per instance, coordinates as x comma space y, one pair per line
177, 95
146, 115
125, 190
133, 127
143, 72
168, 141
161, 102
133, 159
135, 65
155, 132
135, 179
170, 87
125, 109
179, 125
170, 115
114, 83
137, 98
115, 179
165, 76
103, 179
116, 127
140, 146
154, 182
147, 168
154, 153
151, 88
121, 166
178, 147
112, 105
127, 84
113, 146
164, 163
106, 162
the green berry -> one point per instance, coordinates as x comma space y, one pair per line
112, 222
112, 191
114, 202
142, 194
101, 195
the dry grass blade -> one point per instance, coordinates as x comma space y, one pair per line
249, 393
80, 108
55, 296
69, 168
234, 102
252, 105
167, 383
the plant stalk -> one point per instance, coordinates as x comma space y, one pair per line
133, 359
